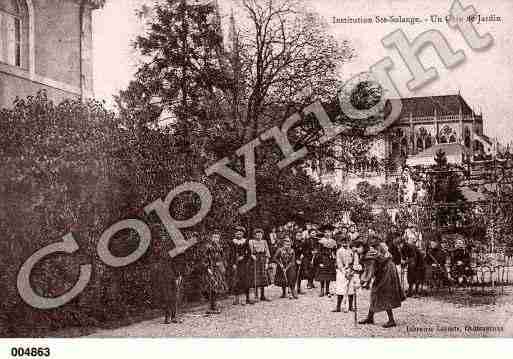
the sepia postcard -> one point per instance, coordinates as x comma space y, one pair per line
254, 169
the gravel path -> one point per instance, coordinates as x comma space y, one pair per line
311, 316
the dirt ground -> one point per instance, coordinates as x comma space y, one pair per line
460, 313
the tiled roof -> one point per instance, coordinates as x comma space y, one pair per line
425, 106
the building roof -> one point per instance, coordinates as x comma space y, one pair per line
425, 106
471, 195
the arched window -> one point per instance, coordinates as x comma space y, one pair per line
467, 137
428, 142
396, 149
14, 29
452, 139
420, 144
404, 146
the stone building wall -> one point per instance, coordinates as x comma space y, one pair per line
55, 56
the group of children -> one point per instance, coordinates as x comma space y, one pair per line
285, 258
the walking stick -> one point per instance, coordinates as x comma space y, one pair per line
298, 280
178, 287
284, 270
355, 307
402, 277
255, 278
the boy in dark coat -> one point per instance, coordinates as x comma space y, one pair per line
414, 261
165, 288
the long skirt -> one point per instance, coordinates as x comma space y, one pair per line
164, 288
306, 270
344, 285
286, 277
241, 278
386, 292
271, 272
214, 282
415, 274
258, 273
326, 273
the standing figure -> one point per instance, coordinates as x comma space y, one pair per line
273, 247
413, 259
386, 292
286, 274
344, 284
436, 258
260, 260
392, 242
353, 232
311, 251
298, 247
212, 269
325, 262
240, 257
165, 288
461, 269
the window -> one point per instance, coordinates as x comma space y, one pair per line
10, 41
428, 141
10, 33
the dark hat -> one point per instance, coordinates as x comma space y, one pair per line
240, 229
326, 227
339, 237
373, 241
356, 243
258, 230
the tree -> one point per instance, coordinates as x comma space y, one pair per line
288, 61
443, 188
184, 65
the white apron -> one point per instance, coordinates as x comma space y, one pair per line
343, 285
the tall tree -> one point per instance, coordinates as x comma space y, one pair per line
290, 60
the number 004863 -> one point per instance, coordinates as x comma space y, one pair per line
30, 352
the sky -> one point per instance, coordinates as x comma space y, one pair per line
484, 79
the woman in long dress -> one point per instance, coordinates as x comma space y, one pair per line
260, 259
386, 292
212, 268
325, 264
240, 257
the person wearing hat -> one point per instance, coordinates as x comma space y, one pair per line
461, 258
239, 260
286, 274
436, 273
353, 231
310, 252
413, 259
325, 261
386, 292
260, 260
303, 258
